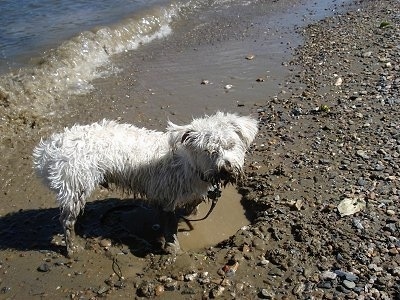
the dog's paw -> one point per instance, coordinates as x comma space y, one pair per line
173, 247
73, 249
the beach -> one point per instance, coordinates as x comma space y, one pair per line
323, 81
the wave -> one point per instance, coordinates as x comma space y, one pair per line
76, 62
43, 89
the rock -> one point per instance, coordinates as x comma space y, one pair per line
191, 277
102, 290
217, 291
328, 275
361, 181
299, 289
229, 270
171, 285
362, 154
43, 268
325, 285
346, 275
390, 212
275, 271
159, 290
349, 284
146, 289
338, 81
367, 54
267, 294
105, 243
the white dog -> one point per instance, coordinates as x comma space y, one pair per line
172, 169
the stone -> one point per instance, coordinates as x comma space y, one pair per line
349, 284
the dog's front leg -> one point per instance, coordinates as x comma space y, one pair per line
169, 227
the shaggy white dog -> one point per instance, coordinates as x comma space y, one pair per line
171, 169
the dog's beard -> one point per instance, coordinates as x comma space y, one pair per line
222, 177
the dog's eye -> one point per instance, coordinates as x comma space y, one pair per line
229, 146
210, 152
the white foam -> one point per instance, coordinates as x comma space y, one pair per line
72, 66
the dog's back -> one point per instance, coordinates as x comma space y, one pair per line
79, 157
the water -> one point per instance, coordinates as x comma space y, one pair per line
30, 27
50, 50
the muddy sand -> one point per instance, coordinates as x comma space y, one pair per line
329, 136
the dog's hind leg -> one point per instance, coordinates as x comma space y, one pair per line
69, 214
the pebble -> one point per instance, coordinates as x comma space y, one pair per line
171, 285
102, 290
275, 271
146, 289
367, 54
325, 285
361, 181
159, 290
357, 224
349, 284
264, 262
5, 289
362, 154
338, 81
191, 277
267, 294
43, 268
105, 243
328, 275
217, 291
347, 275
299, 289
390, 212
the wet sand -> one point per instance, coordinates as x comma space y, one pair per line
162, 81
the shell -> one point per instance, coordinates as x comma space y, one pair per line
349, 206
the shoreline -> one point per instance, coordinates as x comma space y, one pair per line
321, 140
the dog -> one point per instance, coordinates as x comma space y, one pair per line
171, 170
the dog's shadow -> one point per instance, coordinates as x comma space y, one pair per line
126, 222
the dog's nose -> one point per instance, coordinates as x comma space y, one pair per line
226, 167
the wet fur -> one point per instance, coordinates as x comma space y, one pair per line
171, 169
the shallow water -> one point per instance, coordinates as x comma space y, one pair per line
227, 218
30, 27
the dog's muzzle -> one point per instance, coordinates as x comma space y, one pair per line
224, 175
228, 174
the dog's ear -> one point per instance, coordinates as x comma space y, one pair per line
246, 128
178, 134
185, 136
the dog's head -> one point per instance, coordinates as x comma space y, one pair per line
215, 145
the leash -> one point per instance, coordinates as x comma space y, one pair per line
213, 195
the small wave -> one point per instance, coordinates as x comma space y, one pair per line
75, 63
43, 89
